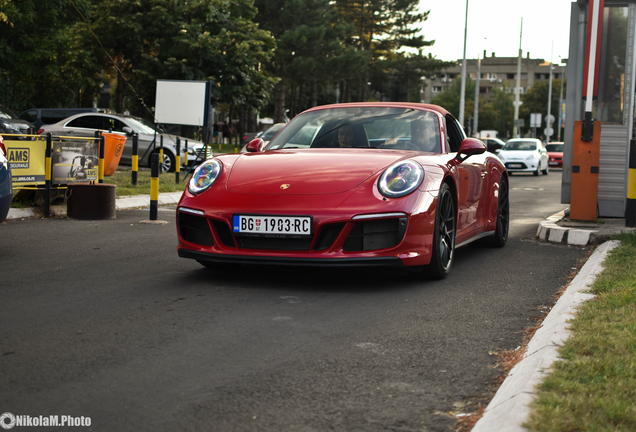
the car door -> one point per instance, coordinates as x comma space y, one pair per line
83, 126
470, 178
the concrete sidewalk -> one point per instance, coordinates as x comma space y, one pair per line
509, 409
137, 201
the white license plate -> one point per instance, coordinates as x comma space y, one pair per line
272, 225
553, 163
513, 165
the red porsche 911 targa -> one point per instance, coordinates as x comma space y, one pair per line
361, 184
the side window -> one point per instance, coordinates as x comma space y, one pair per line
455, 133
112, 124
87, 122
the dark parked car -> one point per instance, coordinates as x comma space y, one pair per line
40, 116
11, 124
493, 145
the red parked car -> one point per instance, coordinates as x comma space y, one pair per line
363, 184
555, 154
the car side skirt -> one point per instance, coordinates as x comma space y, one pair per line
477, 237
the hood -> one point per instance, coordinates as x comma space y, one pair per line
171, 140
307, 171
517, 154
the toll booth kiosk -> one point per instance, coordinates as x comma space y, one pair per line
612, 107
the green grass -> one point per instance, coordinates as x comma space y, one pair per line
122, 178
593, 387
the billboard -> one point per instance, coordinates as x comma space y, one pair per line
182, 102
71, 161
76, 161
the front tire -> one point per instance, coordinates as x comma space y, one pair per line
500, 236
443, 253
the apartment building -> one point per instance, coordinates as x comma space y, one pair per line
494, 72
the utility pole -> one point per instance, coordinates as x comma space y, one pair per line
518, 88
549, 118
561, 103
476, 114
462, 99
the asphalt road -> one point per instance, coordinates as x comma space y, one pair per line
101, 319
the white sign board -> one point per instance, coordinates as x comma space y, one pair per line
181, 102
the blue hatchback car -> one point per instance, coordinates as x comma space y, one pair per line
6, 189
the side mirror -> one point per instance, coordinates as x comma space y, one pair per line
470, 147
128, 130
256, 145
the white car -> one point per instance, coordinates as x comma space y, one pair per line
525, 155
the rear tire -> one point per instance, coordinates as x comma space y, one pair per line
168, 164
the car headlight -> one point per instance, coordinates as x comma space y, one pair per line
204, 176
531, 157
401, 179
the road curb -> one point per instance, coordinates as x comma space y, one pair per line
509, 409
551, 231
128, 202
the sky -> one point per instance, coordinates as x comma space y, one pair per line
495, 26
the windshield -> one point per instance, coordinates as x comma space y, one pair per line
269, 133
362, 127
554, 147
142, 126
6, 113
520, 145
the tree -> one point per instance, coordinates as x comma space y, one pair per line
210, 40
36, 45
383, 29
311, 57
536, 101
450, 99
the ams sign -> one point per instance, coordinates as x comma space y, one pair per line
19, 157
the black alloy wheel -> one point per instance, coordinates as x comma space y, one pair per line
500, 236
443, 252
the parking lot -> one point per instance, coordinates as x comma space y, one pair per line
102, 319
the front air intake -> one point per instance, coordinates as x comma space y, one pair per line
195, 229
375, 234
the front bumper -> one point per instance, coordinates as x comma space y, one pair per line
399, 235
521, 166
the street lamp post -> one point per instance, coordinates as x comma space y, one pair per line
462, 99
